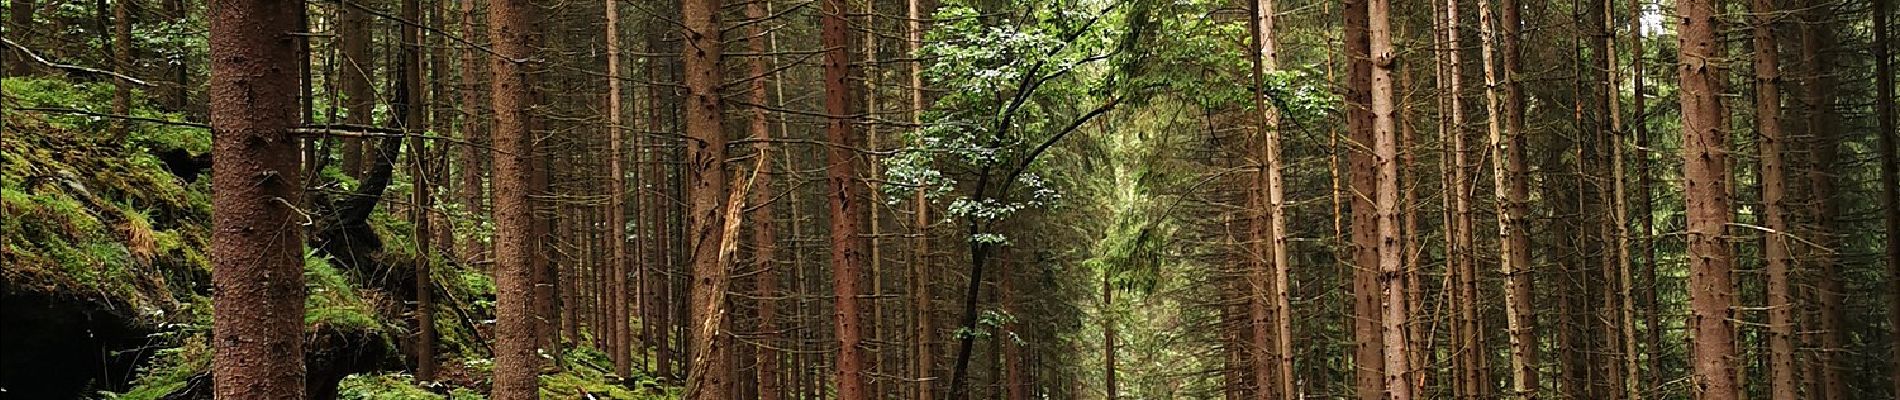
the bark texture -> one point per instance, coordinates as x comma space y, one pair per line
1705, 181
517, 322
257, 239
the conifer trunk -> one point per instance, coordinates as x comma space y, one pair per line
1781, 307
257, 242
847, 252
1705, 171
706, 191
510, 23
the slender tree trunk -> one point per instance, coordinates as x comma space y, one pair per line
1504, 122
1015, 379
1385, 148
1270, 307
1629, 383
923, 358
257, 244
516, 363
1652, 317
764, 228
1823, 149
1705, 169
847, 253
618, 257
1108, 338
1368, 355
1889, 174
411, 115
359, 100
1471, 353
473, 129
122, 63
874, 254
1781, 307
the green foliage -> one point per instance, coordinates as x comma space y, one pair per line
585, 374
172, 367
333, 300
396, 386
93, 216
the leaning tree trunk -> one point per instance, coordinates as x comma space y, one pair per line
257, 242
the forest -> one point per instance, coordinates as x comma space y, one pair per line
949, 199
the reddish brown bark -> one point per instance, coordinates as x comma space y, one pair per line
764, 227
618, 258
510, 23
1705, 172
1368, 355
411, 116
847, 248
257, 242
471, 101
1781, 307
356, 64
706, 190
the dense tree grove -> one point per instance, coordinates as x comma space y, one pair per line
949, 199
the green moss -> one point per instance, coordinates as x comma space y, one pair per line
171, 369
584, 374
333, 300
391, 386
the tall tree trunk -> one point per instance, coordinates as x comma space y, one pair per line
923, 358
122, 63
1781, 307
1108, 338
764, 227
1472, 356
1385, 149
257, 245
618, 256
1823, 148
1503, 101
706, 191
1653, 316
847, 253
1368, 355
1889, 174
1705, 169
516, 322
411, 115
473, 129
867, 84
359, 100
1270, 308
1629, 383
